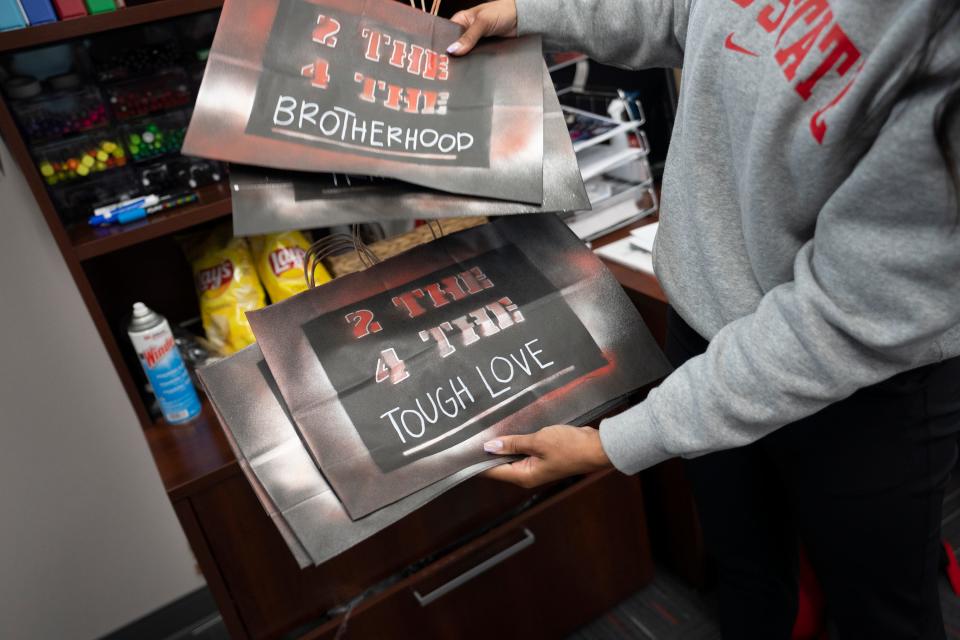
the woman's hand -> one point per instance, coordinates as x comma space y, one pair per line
552, 453
497, 18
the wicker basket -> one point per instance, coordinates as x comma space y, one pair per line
349, 262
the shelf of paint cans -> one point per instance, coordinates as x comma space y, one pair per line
80, 157
57, 108
146, 96
155, 137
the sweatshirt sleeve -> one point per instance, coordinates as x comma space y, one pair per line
875, 292
626, 33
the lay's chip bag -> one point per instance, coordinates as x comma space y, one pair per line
279, 258
227, 287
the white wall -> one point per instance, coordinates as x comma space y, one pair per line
88, 539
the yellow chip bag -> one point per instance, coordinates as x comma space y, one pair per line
227, 287
279, 258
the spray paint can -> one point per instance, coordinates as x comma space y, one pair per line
161, 361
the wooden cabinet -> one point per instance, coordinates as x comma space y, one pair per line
541, 574
546, 561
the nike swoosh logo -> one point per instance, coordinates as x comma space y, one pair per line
730, 44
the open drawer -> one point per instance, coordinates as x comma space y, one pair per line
542, 574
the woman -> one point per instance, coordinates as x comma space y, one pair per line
810, 246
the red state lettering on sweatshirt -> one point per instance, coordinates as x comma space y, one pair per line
805, 29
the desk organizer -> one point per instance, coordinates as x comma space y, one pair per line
155, 137
53, 116
146, 96
79, 158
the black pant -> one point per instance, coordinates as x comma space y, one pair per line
860, 484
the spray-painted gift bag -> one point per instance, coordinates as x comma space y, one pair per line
395, 375
365, 87
268, 200
293, 492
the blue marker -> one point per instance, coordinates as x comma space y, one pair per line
138, 209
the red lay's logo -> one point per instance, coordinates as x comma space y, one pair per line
155, 355
215, 278
286, 259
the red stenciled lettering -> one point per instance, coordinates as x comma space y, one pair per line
468, 332
843, 54
432, 62
408, 302
416, 59
369, 91
374, 39
443, 67
475, 280
441, 293
394, 96
412, 58
399, 54
744, 3
809, 10
445, 291
790, 58
766, 20
318, 72
439, 335
326, 31
413, 100
429, 102
363, 323
483, 322
390, 367
505, 312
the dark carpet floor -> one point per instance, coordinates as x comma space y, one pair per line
668, 609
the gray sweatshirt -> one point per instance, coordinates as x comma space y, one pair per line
815, 262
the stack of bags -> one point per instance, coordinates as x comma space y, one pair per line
366, 397
352, 112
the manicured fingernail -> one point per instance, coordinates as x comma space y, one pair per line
493, 446
454, 47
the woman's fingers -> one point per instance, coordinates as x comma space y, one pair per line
464, 18
498, 18
476, 30
521, 473
524, 445
552, 453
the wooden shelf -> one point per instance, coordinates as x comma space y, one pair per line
88, 25
90, 242
192, 454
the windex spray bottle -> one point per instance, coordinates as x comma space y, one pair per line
161, 361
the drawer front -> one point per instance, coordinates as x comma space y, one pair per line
272, 595
541, 575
